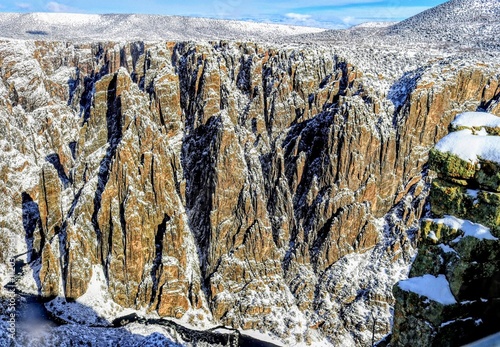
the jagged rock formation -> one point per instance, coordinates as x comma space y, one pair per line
221, 182
465, 254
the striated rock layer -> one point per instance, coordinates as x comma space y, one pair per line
259, 187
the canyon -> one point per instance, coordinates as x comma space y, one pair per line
274, 188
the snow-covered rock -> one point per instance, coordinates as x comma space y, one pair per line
452, 296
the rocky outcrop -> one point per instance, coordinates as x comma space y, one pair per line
464, 253
227, 182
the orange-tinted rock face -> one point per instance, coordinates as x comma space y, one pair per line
228, 179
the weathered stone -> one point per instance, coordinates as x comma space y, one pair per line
450, 165
430, 260
476, 129
50, 272
460, 331
452, 199
448, 198
474, 273
485, 174
433, 233
50, 203
417, 319
488, 176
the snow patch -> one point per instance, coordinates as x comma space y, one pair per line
432, 236
95, 307
434, 288
476, 119
447, 249
447, 323
473, 194
459, 320
470, 147
469, 228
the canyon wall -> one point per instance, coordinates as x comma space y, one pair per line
259, 187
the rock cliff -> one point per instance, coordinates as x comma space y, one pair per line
257, 186
462, 252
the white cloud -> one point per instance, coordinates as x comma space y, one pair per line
330, 14
349, 20
23, 6
280, 5
347, 17
293, 18
298, 16
57, 7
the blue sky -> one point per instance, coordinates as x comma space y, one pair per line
321, 13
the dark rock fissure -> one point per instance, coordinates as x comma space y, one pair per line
157, 262
114, 130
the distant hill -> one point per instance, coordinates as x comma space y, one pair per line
474, 23
64, 26
460, 23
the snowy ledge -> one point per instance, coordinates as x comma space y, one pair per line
469, 228
434, 288
476, 120
469, 147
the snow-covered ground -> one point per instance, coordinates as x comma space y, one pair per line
476, 120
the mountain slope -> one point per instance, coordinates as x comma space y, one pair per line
457, 25
463, 22
116, 27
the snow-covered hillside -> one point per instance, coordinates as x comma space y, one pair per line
467, 23
457, 25
127, 27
